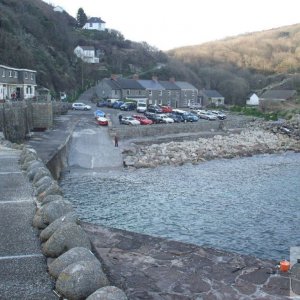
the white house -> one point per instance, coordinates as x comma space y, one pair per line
94, 24
87, 54
17, 83
58, 9
253, 99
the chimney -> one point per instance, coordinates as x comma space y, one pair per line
135, 77
172, 79
155, 78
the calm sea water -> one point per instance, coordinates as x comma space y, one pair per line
247, 205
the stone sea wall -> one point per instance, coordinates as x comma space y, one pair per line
255, 139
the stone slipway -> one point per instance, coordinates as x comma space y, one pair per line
147, 267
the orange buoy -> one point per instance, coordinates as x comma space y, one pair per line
284, 266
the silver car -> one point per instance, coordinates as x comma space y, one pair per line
80, 106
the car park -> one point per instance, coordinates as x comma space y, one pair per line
128, 120
80, 106
143, 119
189, 117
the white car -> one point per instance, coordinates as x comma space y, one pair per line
220, 115
80, 106
130, 121
166, 119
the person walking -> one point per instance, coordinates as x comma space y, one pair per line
116, 140
120, 119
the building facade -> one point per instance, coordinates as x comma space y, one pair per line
155, 91
17, 83
94, 24
87, 54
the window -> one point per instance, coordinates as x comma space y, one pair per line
31, 76
169, 93
28, 89
160, 93
91, 24
10, 73
16, 74
26, 75
150, 93
3, 73
128, 92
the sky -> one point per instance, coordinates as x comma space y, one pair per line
168, 24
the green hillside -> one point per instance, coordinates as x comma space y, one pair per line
237, 65
33, 36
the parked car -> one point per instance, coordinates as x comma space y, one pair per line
128, 120
219, 114
117, 104
189, 117
175, 117
80, 106
186, 116
128, 106
166, 119
206, 115
102, 121
156, 119
143, 119
99, 113
141, 107
154, 109
166, 108
101, 103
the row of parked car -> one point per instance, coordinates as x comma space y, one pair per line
176, 116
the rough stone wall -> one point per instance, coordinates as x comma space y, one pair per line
17, 119
128, 132
42, 115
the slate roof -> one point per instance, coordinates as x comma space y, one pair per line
131, 84
112, 83
95, 20
151, 85
185, 85
211, 94
278, 94
169, 85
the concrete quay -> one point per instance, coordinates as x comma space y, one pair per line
23, 268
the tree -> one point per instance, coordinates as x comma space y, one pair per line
81, 18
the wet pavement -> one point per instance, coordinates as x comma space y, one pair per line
147, 267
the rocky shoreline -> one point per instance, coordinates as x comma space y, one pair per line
258, 138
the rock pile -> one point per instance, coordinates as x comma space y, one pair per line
78, 273
249, 142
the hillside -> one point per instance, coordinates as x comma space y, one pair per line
33, 36
237, 65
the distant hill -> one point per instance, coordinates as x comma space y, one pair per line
252, 61
34, 36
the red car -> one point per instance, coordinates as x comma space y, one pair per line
143, 120
166, 108
102, 121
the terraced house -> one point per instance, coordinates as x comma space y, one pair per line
176, 94
17, 83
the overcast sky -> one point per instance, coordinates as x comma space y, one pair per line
167, 24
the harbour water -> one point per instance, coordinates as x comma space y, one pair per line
247, 205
